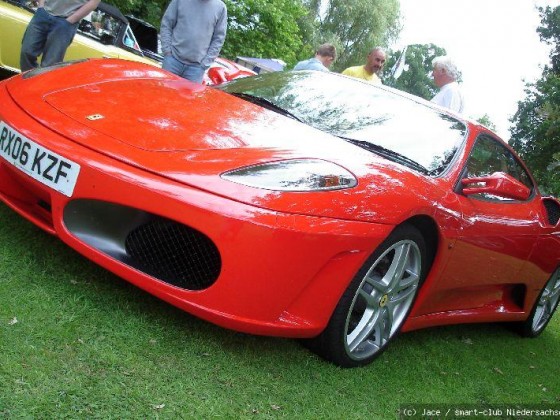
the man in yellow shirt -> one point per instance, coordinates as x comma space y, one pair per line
374, 64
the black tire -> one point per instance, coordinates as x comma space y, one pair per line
378, 300
543, 309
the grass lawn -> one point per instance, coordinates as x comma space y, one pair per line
77, 342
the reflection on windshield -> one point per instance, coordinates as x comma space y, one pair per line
367, 114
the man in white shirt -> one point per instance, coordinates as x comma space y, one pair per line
445, 75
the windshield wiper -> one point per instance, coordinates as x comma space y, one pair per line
389, 154
265, 103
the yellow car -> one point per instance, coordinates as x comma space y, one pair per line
106, 32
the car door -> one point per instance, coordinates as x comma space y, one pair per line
496, 237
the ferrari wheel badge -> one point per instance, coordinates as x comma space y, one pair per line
384, 301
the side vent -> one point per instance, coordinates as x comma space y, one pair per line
552, 210
162, 248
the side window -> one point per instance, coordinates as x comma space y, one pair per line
28, 4
130, 41
100, 26
489, 156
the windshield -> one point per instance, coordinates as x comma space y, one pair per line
373, 118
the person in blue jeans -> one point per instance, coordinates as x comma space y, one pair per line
192, 35
51, 31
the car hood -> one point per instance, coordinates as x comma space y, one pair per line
192, 134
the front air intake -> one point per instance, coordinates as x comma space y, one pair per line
175, 254
162, 248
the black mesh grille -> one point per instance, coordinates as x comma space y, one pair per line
553, 211
174, 253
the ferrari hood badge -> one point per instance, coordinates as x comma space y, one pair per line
95, 117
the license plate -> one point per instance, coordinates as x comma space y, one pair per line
47, 167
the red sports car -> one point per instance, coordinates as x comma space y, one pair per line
294, 204
223, 70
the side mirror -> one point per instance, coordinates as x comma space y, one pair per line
499, 184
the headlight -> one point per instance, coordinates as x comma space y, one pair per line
294, 175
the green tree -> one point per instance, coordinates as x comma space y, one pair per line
263, 28
415, 78
291, 29
486, 122
150, 11
535, 133
354, 26
258, 28
549, 32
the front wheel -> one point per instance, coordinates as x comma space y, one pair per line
376, 303
544, 307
